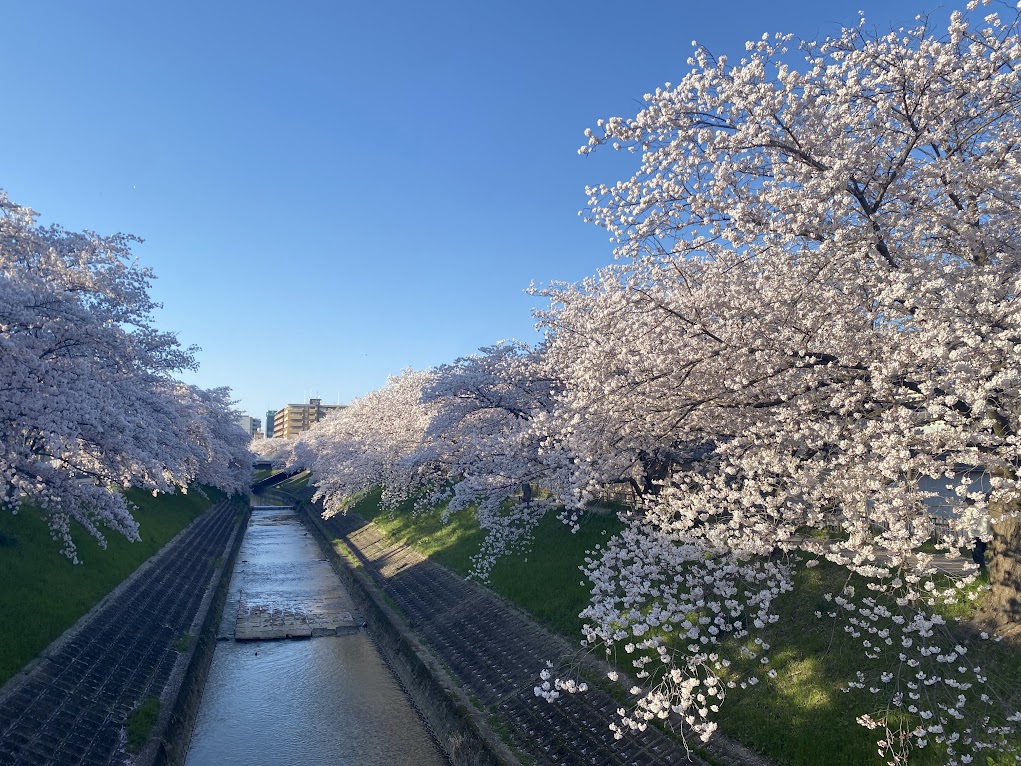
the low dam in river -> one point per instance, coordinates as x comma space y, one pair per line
294, 679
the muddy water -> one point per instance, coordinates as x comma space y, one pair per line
327, 700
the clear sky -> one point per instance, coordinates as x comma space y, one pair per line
331, 192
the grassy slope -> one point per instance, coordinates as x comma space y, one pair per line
43, 593
545, 580
800, 718
803, 716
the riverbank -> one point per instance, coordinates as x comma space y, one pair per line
44, 594
467, 644
73, 705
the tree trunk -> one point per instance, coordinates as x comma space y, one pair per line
526, 493
1001, 609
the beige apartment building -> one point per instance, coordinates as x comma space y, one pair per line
292, 419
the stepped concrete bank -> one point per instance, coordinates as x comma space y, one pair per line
169, 744
72, 706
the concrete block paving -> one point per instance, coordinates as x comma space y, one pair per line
73, 706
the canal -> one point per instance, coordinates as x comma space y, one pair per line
325, 699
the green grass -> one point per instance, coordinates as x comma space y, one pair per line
140, 723
43, 593
451, 544
544, 580
295, 482
341, 547
802, 717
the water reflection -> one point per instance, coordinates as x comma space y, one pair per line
328, 700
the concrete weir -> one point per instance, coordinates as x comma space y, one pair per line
262, 623
282, 588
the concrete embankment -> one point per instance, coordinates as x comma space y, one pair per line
73, 706
169, 745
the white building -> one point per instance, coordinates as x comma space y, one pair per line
250, 424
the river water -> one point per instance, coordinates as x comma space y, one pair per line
327, 700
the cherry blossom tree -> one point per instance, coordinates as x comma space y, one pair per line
278, 450
375, 441
219, 447
489, 434
87, 398
815, 307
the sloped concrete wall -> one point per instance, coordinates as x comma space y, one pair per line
169, 746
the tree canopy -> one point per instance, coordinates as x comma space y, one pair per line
88, 401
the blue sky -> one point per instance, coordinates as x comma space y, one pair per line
330, 192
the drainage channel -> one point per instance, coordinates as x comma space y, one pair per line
294, 679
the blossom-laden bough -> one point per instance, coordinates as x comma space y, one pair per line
88, 400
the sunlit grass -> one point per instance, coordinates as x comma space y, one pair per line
545, 579
803, 716
43, 593
451, 543
295, 482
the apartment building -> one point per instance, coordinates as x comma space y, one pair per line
292, 419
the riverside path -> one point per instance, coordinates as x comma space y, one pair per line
72, 707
